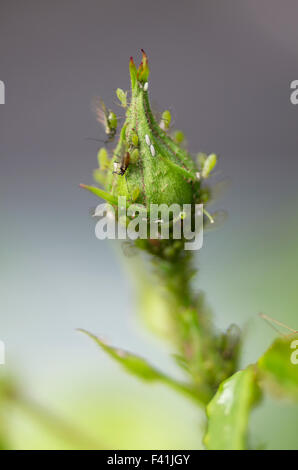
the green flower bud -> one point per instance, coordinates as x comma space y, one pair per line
163, 163
148, 165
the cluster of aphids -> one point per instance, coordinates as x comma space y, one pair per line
131, 154
109, 121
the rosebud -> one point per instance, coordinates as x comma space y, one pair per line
148, 166
161, 162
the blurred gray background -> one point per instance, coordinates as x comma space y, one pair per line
224, 69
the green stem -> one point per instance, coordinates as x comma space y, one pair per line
198, 346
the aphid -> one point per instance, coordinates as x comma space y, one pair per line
103, 159
146, 86
179, 137
134, 156
147, 138
122, 97
152, 150
123, 164
134, 139
209, 164
106, 117
271, 320
165, 120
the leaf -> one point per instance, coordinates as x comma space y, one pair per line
228, 411
278, 367
141, 368
101, 193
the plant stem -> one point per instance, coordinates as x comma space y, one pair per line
199, 348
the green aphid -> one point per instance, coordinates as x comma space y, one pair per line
134, 139
135, 193
100, 177
179, 137
169, 252
112, 121
123, 133
209, 164
107, 118
122, 97
134, 156
165, 121
103, 159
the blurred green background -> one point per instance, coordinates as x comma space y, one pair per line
224, 69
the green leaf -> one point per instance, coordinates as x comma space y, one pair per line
101, 193
228, 411
140, 368
278, 368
